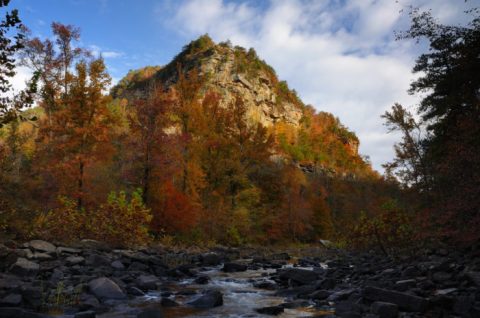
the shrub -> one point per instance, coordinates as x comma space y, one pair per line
119, 221
392, 231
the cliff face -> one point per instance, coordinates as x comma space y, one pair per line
230, 71
302, 134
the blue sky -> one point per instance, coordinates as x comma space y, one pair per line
339, 55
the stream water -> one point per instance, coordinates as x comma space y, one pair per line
240, 297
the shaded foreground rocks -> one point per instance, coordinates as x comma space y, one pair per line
89, 279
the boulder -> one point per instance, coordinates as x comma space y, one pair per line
42, 246
146, 282
404, 301
210, 259
234, 267
105, 288
24, 267
11, 300
210, 299
385, 310
202, 280
272, 310
299, 276
117, 265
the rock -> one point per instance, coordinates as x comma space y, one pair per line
341, 295
105, 288
441, 292
404, 301
272, 310
11, 300
32, 295
68, 250
299, 276
320, 294
210, 299
234, 267
74, 260
146, 282
167, 302
202, 280
403, 285
117, 265
411, 271
150, 313
96, 260
92, 244
85, 314
42, 246
132, 290
385, 310
24, 267
57, 276
210, 259
474, 277
441, 277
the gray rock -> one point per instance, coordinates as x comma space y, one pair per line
41, 256
117, 265
24, 267
474, 277
11, 300
299, 276
441, 277
210, 299
74, 260
42, 246
404, 301
97, 260
105, 288
403, 285
210, 259
68, 250
234, 267
385, 310
146, 282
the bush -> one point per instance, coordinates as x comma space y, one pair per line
119, 222
392, 231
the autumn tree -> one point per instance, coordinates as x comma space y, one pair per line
148, 123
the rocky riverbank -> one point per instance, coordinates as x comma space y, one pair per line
39, 279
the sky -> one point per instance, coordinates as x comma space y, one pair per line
340, 56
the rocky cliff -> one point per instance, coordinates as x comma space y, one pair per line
234, 71
230, 71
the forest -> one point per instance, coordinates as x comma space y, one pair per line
165, 155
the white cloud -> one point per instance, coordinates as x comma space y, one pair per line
108, 54
341, 58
